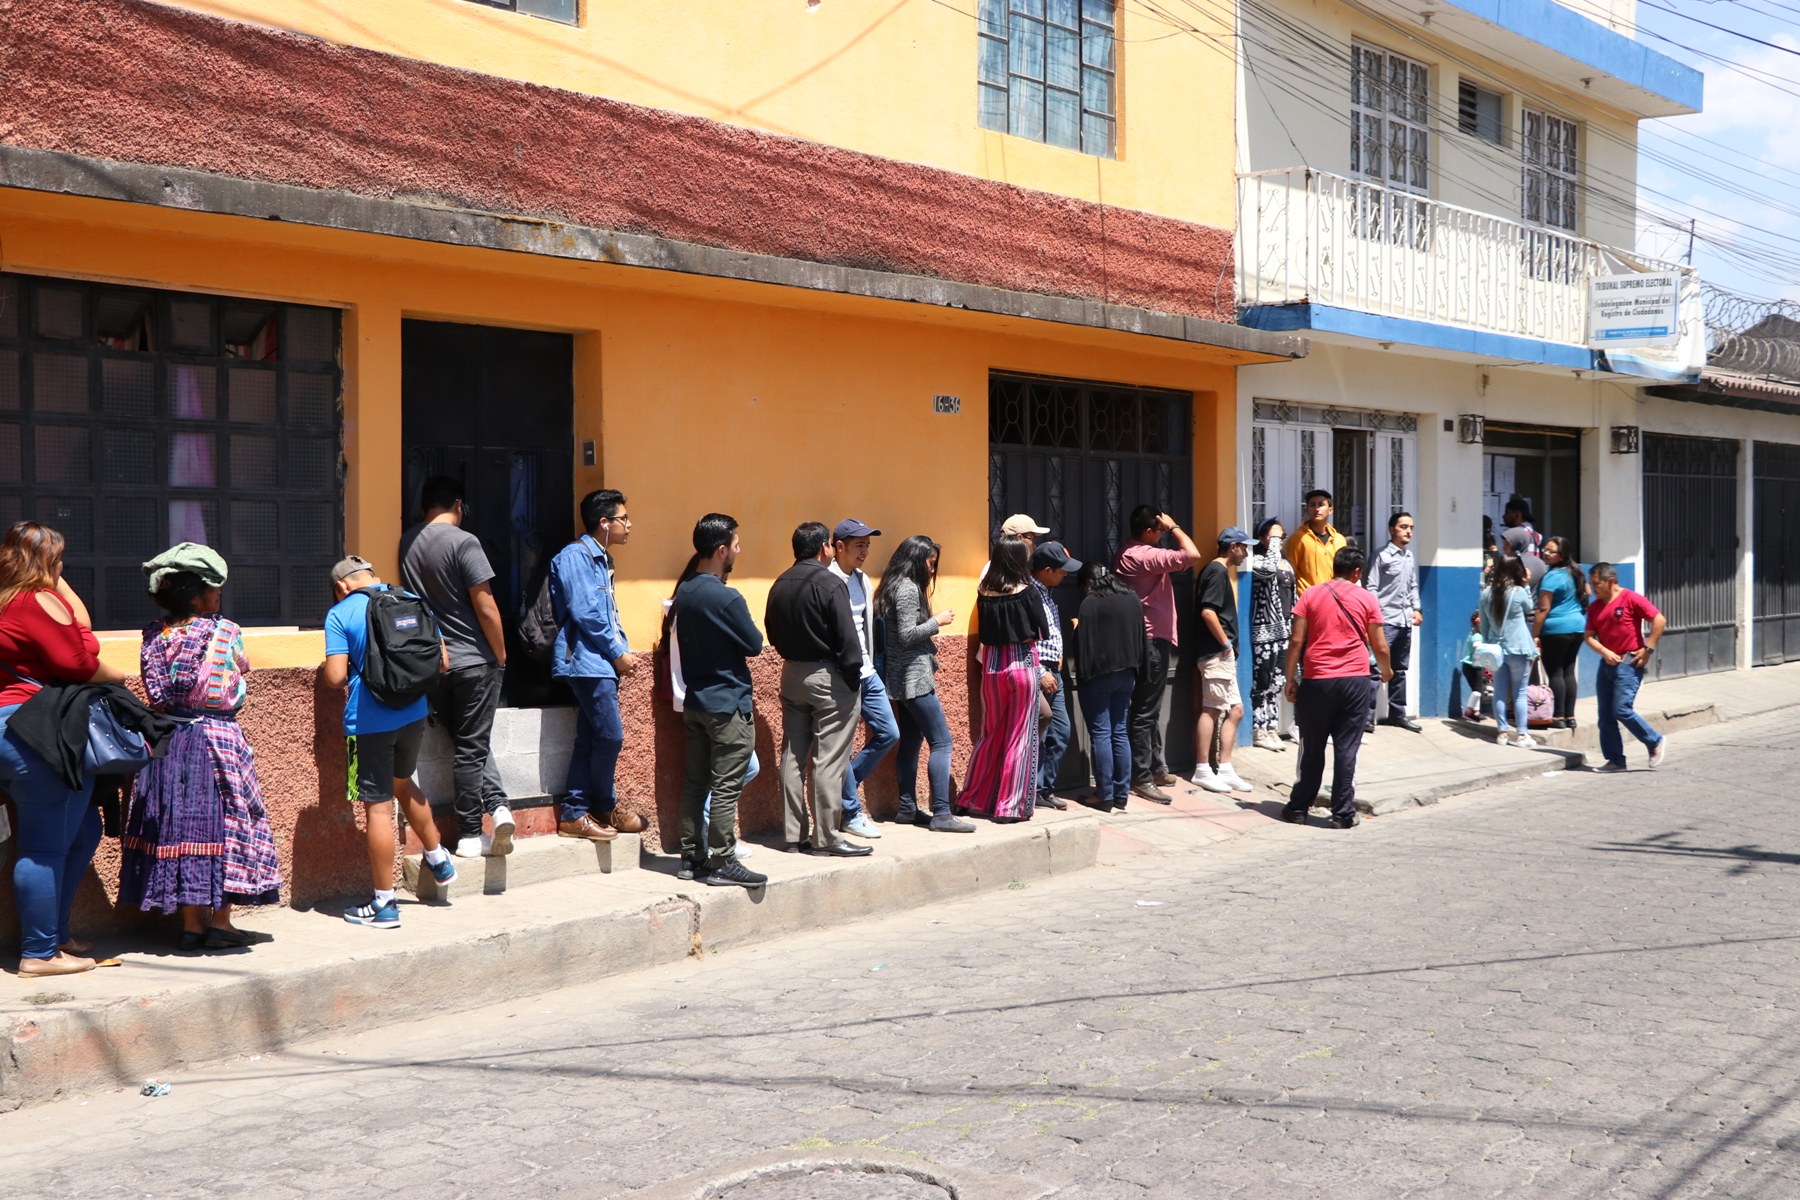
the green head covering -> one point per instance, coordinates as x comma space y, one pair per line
192, 557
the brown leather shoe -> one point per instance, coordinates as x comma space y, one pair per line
587, 828
1166, 780
623, 822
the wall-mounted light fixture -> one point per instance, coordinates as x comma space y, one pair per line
1624, 439
1471, 430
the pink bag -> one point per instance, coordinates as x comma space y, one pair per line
1540, 701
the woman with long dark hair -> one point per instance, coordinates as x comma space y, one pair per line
1561, 624
911, 678
1002, 779
45, 635
197, 837
1271, 621
1110, 642
1505, 619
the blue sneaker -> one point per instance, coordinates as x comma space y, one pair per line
385, 916
443, 872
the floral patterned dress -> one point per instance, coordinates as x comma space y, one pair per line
197, 833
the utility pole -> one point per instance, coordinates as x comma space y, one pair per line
1688, 258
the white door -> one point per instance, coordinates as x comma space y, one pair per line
1287, 461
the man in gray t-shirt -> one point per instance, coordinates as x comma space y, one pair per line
444, 564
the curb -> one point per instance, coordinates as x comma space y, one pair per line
66, 1047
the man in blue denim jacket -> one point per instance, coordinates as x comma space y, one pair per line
590, 654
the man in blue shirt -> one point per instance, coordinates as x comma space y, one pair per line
382, 746
590, 655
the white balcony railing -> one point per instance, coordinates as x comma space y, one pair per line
1304, 235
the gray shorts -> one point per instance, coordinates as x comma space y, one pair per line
377, 759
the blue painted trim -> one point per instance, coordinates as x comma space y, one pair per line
1450, 594
1326, 318
1247, 726
1572, 35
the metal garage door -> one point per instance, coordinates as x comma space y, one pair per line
1776, 638
1691, 551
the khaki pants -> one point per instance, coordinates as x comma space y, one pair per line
818, 721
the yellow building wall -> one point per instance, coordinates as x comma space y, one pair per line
895, 78
776, 405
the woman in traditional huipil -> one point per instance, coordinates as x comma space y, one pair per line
197, 838
1271, 621
1002, 780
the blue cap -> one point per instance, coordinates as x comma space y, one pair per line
850, 527
1234, 535
1051, 556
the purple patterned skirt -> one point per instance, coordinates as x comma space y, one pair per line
196, 833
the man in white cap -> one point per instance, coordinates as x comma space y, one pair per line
1019, 525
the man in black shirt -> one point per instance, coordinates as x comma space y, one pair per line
810, 624
715, 638
1216, 604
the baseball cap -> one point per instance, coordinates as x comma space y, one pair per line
349, 565
1519, 540
1234, 535
1019, 524
850, 527
1052, 556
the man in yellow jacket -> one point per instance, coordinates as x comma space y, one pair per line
1315, 544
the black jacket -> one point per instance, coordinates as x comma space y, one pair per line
1110, 635
809, 620
717, 638
54, 724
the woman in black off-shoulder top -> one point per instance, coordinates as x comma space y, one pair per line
1002, 779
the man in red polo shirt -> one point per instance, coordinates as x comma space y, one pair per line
1615, 631
1337, 625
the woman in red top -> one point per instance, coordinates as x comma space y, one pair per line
45, 634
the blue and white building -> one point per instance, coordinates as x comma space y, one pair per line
1427, 188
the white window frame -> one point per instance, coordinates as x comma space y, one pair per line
1550, 167
1390, 119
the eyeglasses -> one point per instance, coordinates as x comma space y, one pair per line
618, 519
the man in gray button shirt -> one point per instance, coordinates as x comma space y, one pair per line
1394, 578
444, 563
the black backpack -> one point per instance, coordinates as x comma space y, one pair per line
404, 652
537, 625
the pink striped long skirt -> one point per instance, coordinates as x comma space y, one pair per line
1003, 770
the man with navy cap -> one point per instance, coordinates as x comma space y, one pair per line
1221, 708
1050, 565
850, 549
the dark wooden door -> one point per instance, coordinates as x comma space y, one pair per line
496, 409
1691, 551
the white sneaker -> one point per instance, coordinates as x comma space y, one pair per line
862, 827
1268, 739
1205, 777
501, 843
1238, 783
469, 847
742, 850
1525, 741
1661, 752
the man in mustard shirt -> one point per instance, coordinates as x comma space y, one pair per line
1315, 544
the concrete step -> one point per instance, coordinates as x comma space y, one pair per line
533, 860
163, 1011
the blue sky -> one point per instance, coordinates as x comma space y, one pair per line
1746, 198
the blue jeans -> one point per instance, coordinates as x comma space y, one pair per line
1106, 711
883, 733
1056, 738
1510, 682
59, 828
599, 736
922, 720
1615, 690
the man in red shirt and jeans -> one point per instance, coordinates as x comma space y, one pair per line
1337, 624
1615, 631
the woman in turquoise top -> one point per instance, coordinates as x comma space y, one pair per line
1506, 620
1561, 623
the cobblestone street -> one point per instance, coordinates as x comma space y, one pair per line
1574, 986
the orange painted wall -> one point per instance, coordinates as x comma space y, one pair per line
774, 404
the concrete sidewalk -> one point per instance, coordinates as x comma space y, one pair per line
1398, 769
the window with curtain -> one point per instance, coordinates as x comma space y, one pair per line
1048, 71
1548, 147
132, 419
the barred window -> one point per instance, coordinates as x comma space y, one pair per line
133, 419
1048, 72
1551, 170
567, 12
1390, 119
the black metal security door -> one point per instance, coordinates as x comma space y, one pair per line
1691, 551
1776, 637
496, 409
